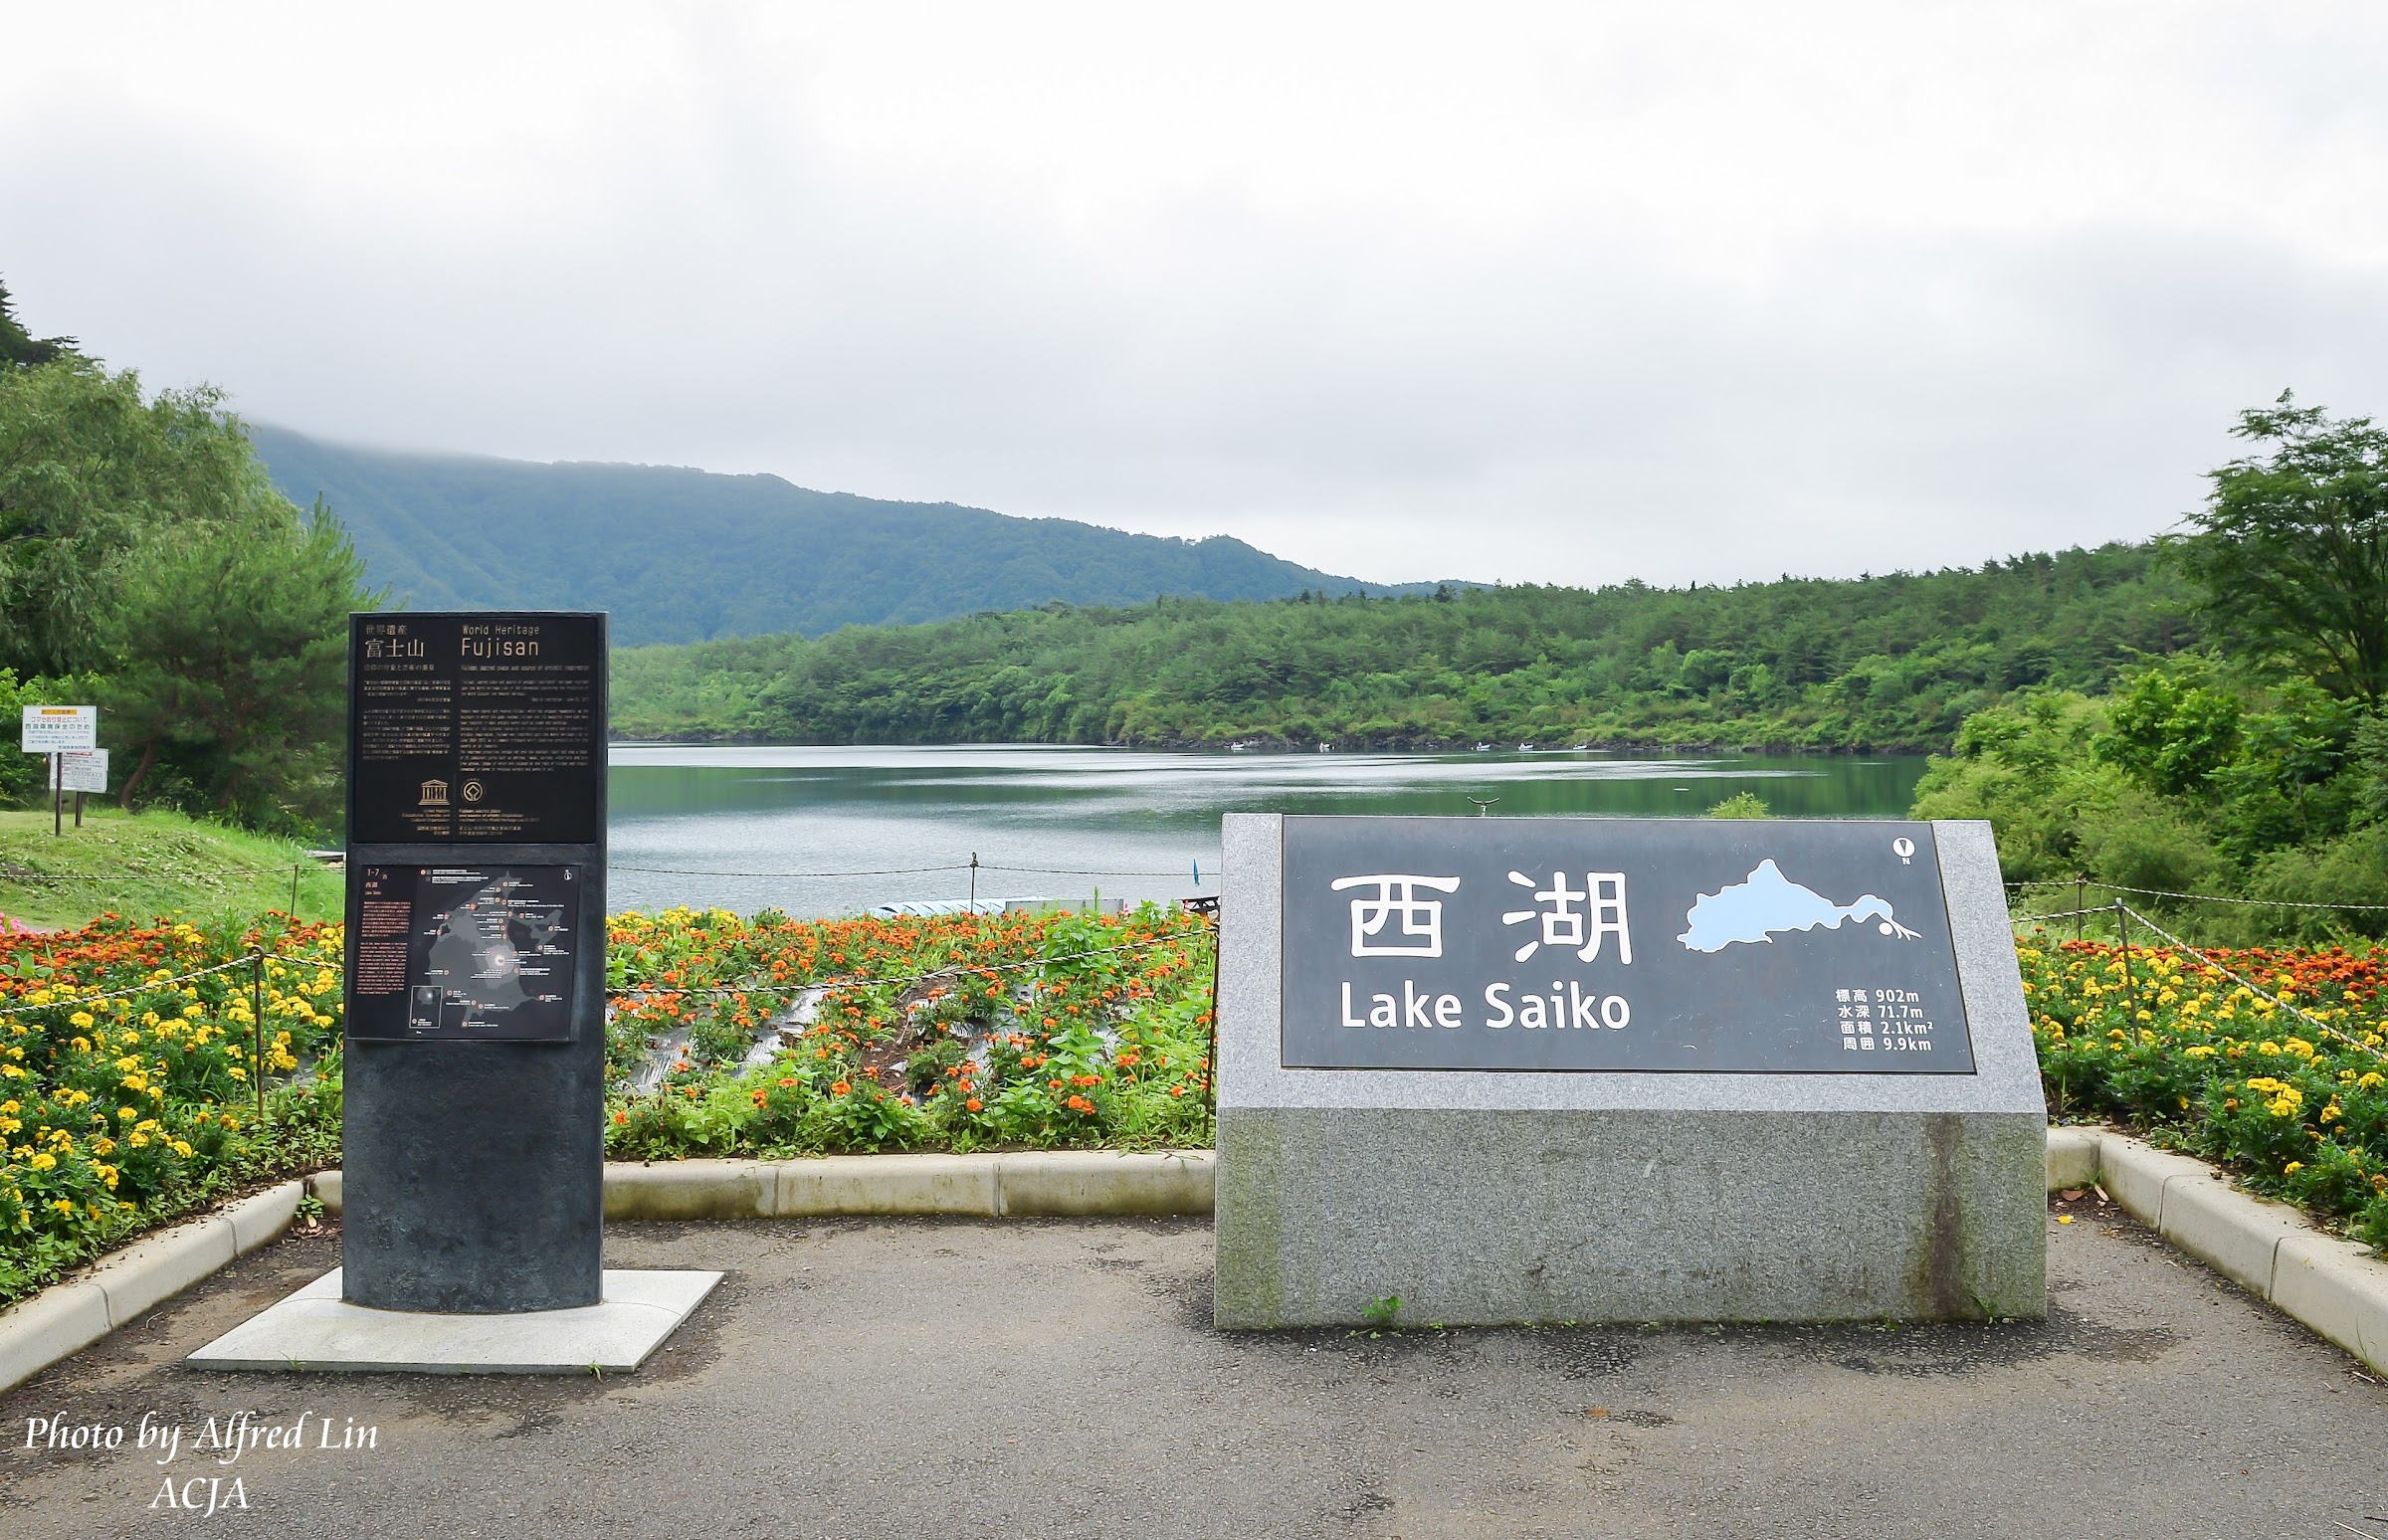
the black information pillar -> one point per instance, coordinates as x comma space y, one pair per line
474, 1144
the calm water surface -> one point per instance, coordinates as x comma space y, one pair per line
834, 831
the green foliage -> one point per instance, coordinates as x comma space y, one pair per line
2186, 782
88, 471
2291, 550
2172, 728
1887, 662
1741, 804
144, 553
228, 648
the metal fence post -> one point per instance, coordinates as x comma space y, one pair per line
2130, 996
257, 1026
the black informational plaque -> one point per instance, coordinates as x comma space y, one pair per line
1761, 945
476, 728
478, 953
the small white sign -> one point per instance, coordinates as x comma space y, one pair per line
82, 770
52, 729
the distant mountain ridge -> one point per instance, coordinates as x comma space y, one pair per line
685, 555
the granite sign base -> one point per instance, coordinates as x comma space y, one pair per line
317, 1329
1495, 1198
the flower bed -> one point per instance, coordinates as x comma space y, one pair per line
774, 1037
126, 1089
770, 1037
766, 1037
2178, 1049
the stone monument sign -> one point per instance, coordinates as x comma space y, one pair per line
1589, 1069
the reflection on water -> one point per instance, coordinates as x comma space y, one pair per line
865, 826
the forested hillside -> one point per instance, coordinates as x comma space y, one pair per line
1892, 661
680, 555
2256, 768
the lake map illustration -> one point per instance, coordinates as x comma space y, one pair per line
1768, 904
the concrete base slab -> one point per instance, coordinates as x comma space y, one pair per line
317, 1329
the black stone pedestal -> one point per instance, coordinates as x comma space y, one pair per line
473, 1173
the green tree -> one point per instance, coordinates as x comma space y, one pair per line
2292, 548
229, 663
2172, 728
88, 471
20, 349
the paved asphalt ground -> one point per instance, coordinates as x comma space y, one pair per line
1031, 1379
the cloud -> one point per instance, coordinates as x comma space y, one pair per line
1539, 293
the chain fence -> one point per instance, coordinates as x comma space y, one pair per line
2081, 884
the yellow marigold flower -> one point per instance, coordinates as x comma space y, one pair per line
79, 1020
2293, 1168
2371, 1079
43, 1161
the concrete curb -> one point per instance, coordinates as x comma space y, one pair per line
68, 1317
1084, 1184
2334, 1287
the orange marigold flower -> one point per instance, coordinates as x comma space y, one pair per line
972, 1104
839, 1087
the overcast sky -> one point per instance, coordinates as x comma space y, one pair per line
1561, 293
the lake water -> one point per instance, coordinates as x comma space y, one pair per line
834, 831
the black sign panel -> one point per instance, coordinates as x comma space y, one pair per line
1760, 945
475, 728
478, 953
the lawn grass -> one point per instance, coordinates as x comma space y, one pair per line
150, 863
